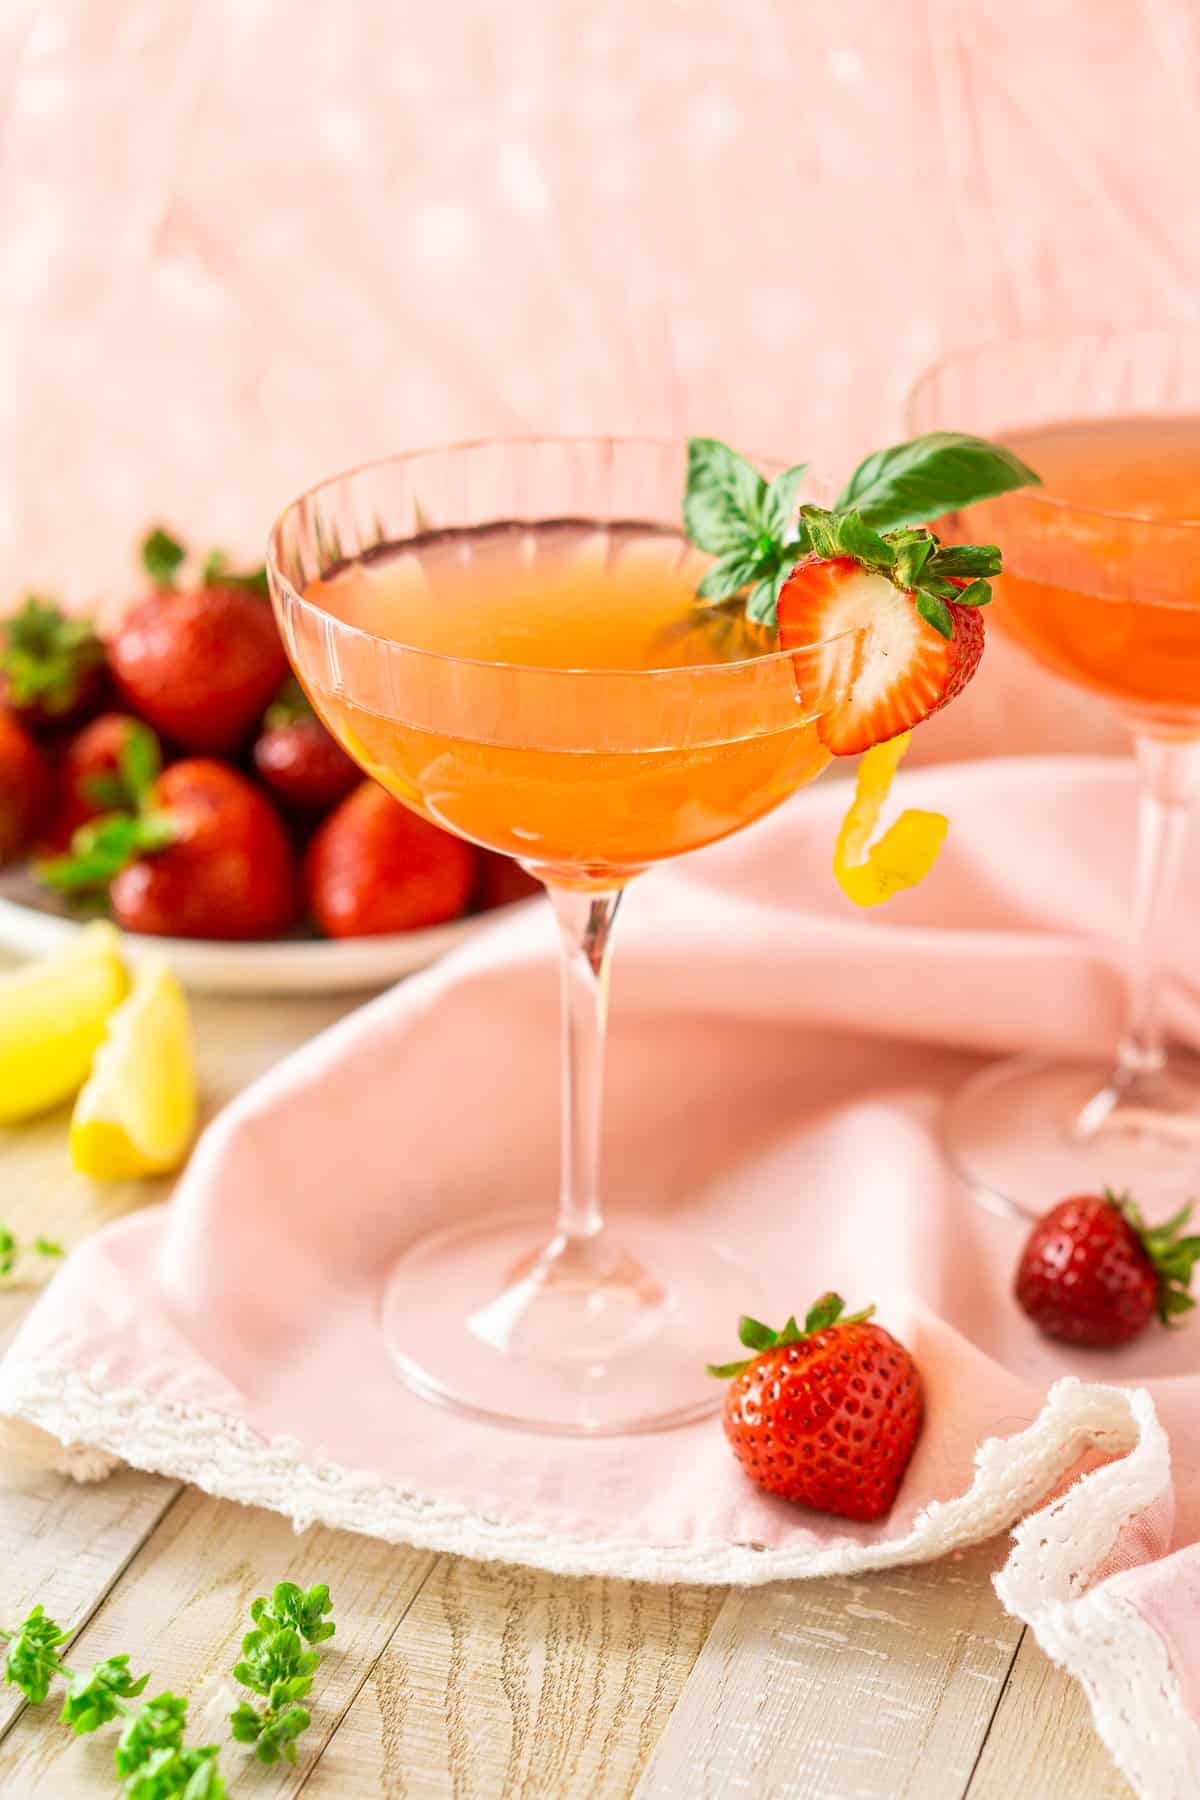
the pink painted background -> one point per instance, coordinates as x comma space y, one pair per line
245, 242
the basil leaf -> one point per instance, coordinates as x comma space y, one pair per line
722, 506
911, 483
763, 599
730, 573
780, 501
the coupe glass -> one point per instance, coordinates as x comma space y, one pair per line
588, 775
1107, 595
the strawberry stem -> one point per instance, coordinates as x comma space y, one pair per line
162, 557
1171, 1256
824, 1313
218, 571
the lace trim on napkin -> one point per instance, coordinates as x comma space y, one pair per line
91, 1427
1095, 1634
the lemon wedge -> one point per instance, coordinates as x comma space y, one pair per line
870, 873
52, 1017
137, 1113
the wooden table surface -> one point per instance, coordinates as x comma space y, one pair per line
457, 1678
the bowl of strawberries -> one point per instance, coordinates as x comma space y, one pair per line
169, 772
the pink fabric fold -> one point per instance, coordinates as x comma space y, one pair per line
776, 1068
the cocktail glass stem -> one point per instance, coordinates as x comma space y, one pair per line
1140, 1093
1169, 770
585, 922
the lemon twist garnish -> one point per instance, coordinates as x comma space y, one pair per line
871, 873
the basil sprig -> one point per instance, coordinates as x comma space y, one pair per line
757, 534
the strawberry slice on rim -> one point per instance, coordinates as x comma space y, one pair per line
867, 658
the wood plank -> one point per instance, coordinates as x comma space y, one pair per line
66, 1545
501, 1681
237, 1038
181, 1611
870, 1687
62, 1543
1042, 1743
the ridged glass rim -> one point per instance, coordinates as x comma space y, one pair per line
767, 465
1048, 340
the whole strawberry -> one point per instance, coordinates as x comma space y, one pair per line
106, 767
205, 856
297, 758
374, 867
501, 881
25, 786
1093, 1273
827, 1416
198, 663
51, 665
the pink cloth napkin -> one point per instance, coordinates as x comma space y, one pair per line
776, 1067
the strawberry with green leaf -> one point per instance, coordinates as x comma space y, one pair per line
883, 620
205, 855
827, 1414
1093, 1273
52, 666
107, 767
199, 662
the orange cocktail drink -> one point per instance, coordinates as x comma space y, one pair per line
1103, 581
595, 655
591, 720
508, 637
1101, 585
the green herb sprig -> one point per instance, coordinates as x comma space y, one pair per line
757, 533
13, 1253
275, 1665
151, 1758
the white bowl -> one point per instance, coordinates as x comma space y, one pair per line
33, 921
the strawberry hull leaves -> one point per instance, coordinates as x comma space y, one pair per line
49, 660
829, 1310
162, 557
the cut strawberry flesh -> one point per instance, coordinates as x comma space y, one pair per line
867, 664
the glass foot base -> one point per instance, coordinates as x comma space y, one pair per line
1027, 1133
579, 1338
